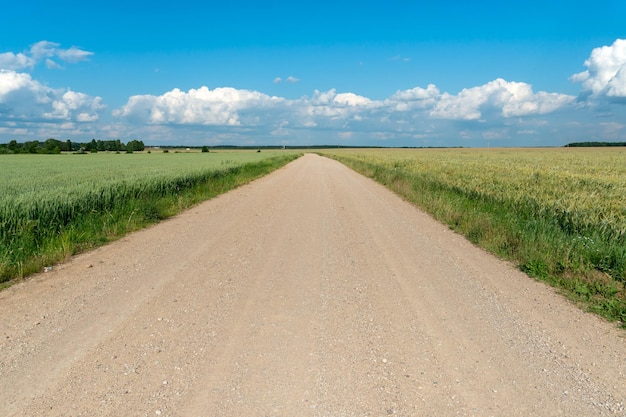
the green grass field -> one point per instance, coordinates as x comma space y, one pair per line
559, 214
53, 206
23, 176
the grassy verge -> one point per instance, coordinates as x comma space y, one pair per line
587, 264
50, 234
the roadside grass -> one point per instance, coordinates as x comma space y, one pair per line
585, 260
44, 227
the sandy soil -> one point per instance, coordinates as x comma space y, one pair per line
310, 292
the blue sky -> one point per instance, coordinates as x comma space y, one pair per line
388, 73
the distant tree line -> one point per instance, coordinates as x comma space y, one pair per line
54, 146
593, 144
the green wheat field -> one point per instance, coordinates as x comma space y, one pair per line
53, 206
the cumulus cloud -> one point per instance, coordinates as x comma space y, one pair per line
407, 111
416, 98
330, 106
77, 106
331, 98
510, 99
606, 71
11, 61
43, 51
25, 99
221, 106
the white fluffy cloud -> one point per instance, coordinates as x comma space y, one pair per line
418, 116
43, 51
28, 107
332, 99
510, 99
75, 106
25, 99
606, 71
415, 98
221, 106
232, 107
11, 61
332, 107
497, 109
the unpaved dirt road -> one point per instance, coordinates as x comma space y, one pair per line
310, 292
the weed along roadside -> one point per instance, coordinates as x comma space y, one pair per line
558, 214
54, 206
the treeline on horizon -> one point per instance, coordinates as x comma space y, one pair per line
594, 144
268, 147
275, 147
54, 146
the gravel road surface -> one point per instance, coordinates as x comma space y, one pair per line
310, 292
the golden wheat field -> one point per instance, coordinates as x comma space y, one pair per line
585, 185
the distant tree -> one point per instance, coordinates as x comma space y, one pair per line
32, 146
52, 145
135, 145
107, 145
14, 146
205, 149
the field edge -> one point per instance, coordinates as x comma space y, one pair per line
525, 244
95, 229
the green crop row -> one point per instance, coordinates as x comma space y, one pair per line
560, 214
52, 206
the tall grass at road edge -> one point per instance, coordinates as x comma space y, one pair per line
586, 261
38, 233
